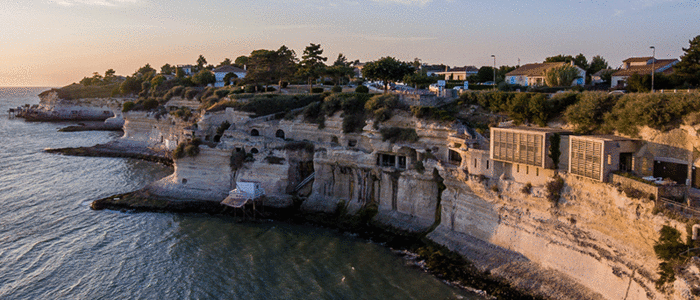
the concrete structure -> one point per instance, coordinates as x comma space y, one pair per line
642, 66
523, 152
534, 74
221, 72
595, 157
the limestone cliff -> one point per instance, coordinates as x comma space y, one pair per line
53, 108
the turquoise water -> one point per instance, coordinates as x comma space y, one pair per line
52, 246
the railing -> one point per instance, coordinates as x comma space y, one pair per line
305, 182
678, 207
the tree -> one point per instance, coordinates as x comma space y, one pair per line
484, 74
387, 69
689, 66
146, 70
228, 77
203, 77
597, 63
260, 66
241, 61
340, 69
311, 65
581, 61
559, 58
109, 73
225, 62
562, 75
285, 64
167, 69
201, 62
419, 80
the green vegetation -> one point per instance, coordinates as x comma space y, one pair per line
387, 69
396, 134
444, 113
668, 249
362, 89
554, 151
563, 75
554, 189
189, 148
311, 65
689, 66
379, 107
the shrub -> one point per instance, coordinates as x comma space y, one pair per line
418, 165
668, 249
353, 122
191, 93
183, 113
189, 148
127, 106
150, 104
337, 89
554, 188
362, 89
317, 90
396, 134
527, 189
222, 93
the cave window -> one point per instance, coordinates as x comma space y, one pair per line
487, 164
184, 180
475, 163
527, 169
454, 156
402, 162
254, 132
238, 149
386, 160
517, 168
254, 150
537, 172
352, 143
279, 133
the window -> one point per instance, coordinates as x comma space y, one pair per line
254, 150
254, 132
279, 134
454, 156
517, 168
527, 170
487, 164
402, 162
352, 143
475, 163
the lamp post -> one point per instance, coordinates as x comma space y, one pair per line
494, 70
653, 66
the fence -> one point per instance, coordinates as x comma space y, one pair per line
679, 207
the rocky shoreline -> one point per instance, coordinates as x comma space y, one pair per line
117, 149
433, 258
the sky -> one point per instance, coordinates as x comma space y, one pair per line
58, 42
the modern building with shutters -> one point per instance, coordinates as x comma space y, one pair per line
524, 152
597, 156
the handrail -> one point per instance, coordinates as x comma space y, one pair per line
304, 182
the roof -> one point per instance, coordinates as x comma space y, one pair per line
536, 69
604, 137
600, 73
468, 69
659, 64
534, 129
637, 59
228, 69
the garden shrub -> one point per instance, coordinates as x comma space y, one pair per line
362, 89
397, 134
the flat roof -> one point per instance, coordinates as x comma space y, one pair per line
604, 137
535, 129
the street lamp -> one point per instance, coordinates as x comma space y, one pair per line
494, 70
653, 66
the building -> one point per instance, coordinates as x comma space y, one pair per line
642, 66
597, 77
221, 72
187, 69
534, 74
597, 156
524, 152
459, 73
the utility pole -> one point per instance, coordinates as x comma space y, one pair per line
494, 70
653, 66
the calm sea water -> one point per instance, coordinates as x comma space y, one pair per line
52, 246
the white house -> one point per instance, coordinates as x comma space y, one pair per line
459, 73
642, 66
221, 72
534, 74
187, 69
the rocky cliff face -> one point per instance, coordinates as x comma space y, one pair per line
162, 132
53, 108
595, 243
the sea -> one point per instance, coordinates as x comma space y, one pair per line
53, 246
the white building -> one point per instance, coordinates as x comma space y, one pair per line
534, 74
642, 66
221, 72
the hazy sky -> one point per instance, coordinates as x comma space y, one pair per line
57, 42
